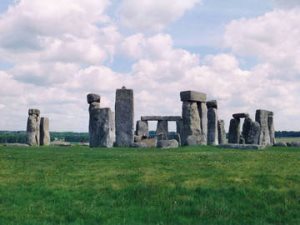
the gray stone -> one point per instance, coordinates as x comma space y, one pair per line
240, 115
212, 134
221, 132
179, 127
137, 138
262, 117
124, 117
192, 96
191, 122
102, 128
94, 105
212, 104
242, 140
178, 138
234, 131
162, 129
293, 144
251, 131
33, 127
142, 128
280, 144
271, 128
157, 118
243, 147
93, 98
44, 131
139, 145
193, 140
167, 144
202, 108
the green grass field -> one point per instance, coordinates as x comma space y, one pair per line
200, 185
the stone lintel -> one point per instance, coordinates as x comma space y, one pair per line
192, 96
161, 118
34, 112
212, 104
93, 98
240, 115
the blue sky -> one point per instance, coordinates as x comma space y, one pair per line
245, 54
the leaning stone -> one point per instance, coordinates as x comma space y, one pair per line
192, 96
124, 107
262, 117
221, 132
191, 122
234, 131
167, 144
240, 115
162, 129
44, 131
202, 108
142, 128
102, 128
212, 104
212, 135
33, 129
93, 98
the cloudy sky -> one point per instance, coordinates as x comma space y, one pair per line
245, 54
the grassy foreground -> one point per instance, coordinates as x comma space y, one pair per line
200, 185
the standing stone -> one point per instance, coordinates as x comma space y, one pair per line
271, 128
191, 123
251, 131
44, 131
142, 128
162, 129
202, 108
262, 117
212, 135
124, 107
94, 103
234, 131
221, 132
102, 126
33, 127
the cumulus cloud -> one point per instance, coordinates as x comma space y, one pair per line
153, 15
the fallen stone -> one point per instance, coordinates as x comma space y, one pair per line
15, 145
93, 98
293, 144
212, 104
44, 131
240, 115
61, 143
167, 144
234, 131
280, 144
212, 131
192, 96
243, 147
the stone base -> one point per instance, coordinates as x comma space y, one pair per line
243, 146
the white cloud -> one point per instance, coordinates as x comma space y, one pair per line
153, 15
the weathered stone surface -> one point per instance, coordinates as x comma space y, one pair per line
242, 140
193, 140
293, 144
94, 105
157, 118
221, 132
212, 104
202, 108
192, 96
142, 128
44, 131
280, 144
102, 128
262, 117
33, 127
191, 122
243, 147
212, 135
240, 115
93, 98
177, 138
251, 131
124, 117
271, 128
234, 131
167, 144
179, 127
162, 129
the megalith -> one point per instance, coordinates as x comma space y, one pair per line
204, 121
271, 128
266, 122
221, 132
33, 127
44, 131
212, 126
94, 103
124, 117
162, 129
142, 128
251, 131
234, 131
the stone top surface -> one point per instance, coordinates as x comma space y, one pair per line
161, 118
212, 104
34, 112
240, 115
264, 111
93, 98
192, 96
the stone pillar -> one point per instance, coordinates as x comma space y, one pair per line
204, 123
33, 127
271, 128
102, 126
251, 131
94, 103
142, 128
221, 132
234, 131
124, 107
262, 117
44, 131
162, 129
212, 126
